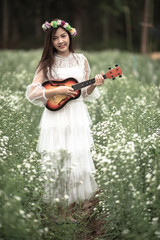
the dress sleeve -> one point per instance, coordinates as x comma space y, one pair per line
95, 94
35, 92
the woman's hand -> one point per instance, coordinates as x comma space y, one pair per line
67, 91
62, 90
99, 80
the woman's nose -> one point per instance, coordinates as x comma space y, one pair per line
60, 40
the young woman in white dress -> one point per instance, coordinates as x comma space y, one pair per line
65, 139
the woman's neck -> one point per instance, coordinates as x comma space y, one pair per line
63, 54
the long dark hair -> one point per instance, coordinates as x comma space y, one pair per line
47, 58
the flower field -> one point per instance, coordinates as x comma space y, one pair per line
126, 130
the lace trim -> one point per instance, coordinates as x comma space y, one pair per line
72, 60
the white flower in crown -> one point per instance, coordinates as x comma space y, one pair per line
59, 22
66, 25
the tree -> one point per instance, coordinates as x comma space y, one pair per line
5, 23
145, 25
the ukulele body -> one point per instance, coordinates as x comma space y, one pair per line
58, 101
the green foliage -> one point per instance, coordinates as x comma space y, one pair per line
127, 138
126, 131
97, 22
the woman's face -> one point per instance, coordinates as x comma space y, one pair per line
61, 42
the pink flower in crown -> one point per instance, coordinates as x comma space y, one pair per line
75, 33
62, 23
46, 26
58, 23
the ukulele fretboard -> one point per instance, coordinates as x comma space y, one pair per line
78, 86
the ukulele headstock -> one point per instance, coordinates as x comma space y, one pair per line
114, 72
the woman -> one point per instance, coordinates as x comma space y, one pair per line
65, 140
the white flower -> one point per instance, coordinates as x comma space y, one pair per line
22, 212
117, 112
58, 22
104, 169
1, 192
148, 176
66, 197
8, 204
51, 180
45, 178
27, 165
81, 182
66, 25
135, 135
154, 220
56, 199
17, 198
157, 233
125, 231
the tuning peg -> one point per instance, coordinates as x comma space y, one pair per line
109, 68
113, 78
116, 65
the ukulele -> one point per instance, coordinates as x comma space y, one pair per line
59, 101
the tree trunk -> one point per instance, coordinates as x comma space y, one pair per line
37, 20
105, 30
144, 36
15, 24
128, 28
78, 13
5, 24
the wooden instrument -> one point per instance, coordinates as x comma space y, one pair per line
59, 101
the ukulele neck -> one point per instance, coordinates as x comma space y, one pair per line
80, 85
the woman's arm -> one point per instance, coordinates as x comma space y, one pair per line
62, 90
39, 79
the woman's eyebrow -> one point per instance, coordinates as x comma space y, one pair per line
60, 35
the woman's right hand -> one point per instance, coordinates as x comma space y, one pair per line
65, 90
61, 90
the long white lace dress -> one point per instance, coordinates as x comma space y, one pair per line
65, 139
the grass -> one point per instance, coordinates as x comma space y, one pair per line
126, 130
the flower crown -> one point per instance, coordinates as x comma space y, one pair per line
59, 23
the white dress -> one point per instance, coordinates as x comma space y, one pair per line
65, 140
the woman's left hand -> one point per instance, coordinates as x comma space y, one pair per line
99, 80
